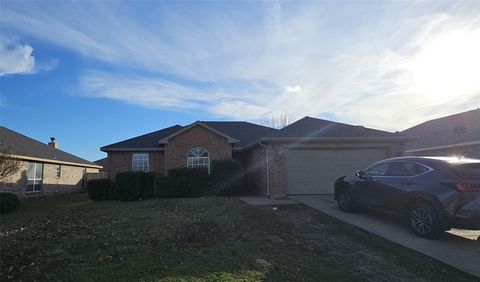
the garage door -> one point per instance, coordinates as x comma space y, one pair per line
313, 171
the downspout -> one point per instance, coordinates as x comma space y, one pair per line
268, 169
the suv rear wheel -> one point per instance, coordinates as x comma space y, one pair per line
424, 221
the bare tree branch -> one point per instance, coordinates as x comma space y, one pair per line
8, 165
279, 121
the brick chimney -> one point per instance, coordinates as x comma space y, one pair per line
52, 143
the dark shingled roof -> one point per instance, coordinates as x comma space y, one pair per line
248, 133
149, 140
18, 144
102, 162
314, 127
450, 130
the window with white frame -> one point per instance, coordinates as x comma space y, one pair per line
140, 162
198, 158
58, 171
34, 177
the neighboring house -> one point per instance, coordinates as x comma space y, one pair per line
303, 158
103, 163
43, 169
457, 134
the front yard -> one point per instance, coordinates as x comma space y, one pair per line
70, 237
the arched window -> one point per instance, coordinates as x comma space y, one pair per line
198, 158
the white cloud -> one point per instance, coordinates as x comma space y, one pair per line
162, 94
373, 64
293, 89
238, 110
148, 92
16, 58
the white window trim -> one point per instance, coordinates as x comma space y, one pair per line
35, 179
58, 173
136, 166
189, 165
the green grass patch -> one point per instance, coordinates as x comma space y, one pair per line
70, 237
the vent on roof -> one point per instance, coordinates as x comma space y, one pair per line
52, 143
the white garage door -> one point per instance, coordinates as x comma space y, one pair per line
314, 171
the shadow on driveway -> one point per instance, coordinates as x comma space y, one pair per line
456, 248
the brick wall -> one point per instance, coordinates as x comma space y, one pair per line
197, 136
157, 162
276, 168
122, 161
118, 162
70, 180
255, 166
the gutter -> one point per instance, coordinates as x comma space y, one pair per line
337, 139
22, 157
268, 169
106, 150
443, 147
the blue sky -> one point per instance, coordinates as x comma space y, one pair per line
94, 73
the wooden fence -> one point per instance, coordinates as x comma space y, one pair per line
92, 175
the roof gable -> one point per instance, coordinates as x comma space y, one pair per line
230, 139
23, 146
247, 133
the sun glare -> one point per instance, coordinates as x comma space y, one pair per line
448, 66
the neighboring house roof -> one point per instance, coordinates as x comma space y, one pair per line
317, 129
102, 162
450, 131
25, 147
147, 141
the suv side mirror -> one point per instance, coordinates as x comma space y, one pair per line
361, 174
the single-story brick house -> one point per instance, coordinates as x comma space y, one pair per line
457, 134
43, 168
303, 158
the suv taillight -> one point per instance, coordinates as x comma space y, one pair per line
464, 187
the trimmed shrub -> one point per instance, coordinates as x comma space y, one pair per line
135, 185
128, 184
147, 185
9, 202
163, 188
188, 182
102, 189
226, 178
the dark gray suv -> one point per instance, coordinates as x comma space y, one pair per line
433, 193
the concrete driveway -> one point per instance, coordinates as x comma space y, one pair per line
461, 252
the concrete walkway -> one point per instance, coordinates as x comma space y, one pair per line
460, 252
267, 201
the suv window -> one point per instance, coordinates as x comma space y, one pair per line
405, 169
378, 170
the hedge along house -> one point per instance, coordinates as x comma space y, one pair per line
303, 158
43, 169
